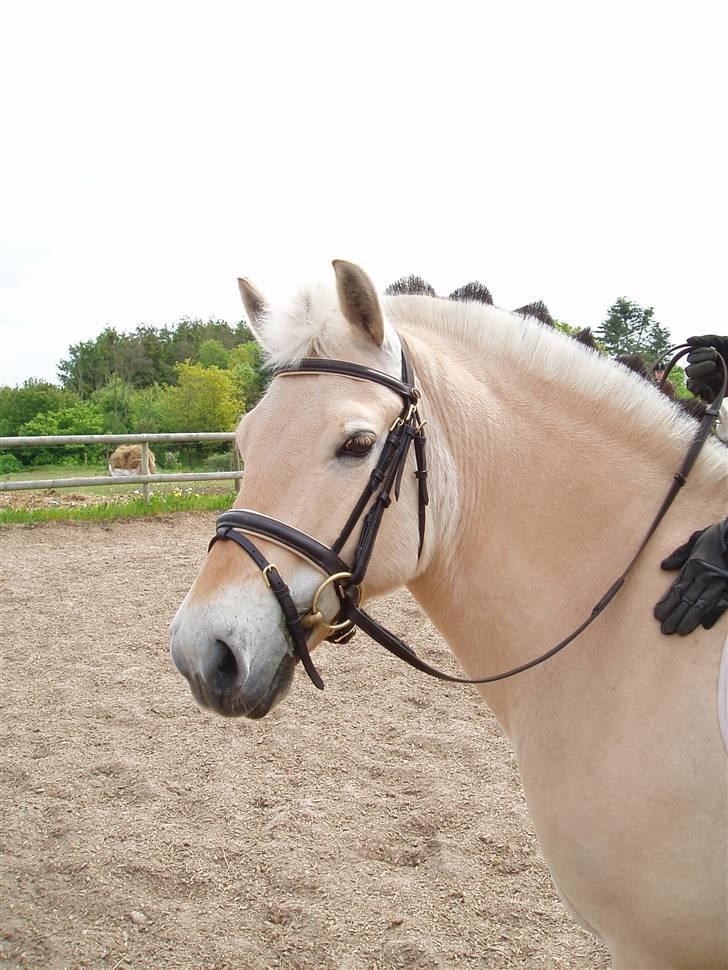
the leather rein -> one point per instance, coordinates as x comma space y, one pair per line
236, 525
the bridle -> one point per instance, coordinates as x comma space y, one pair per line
385, 480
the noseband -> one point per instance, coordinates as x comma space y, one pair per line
386, 479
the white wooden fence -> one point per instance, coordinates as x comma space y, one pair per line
145, 479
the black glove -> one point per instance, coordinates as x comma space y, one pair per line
700, 593
704, 373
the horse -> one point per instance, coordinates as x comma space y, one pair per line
545, 464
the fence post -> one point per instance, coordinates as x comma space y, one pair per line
236, 481
145, 469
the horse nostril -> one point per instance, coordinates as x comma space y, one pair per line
225, 670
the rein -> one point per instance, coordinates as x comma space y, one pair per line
386, 478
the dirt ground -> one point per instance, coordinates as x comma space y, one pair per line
380, 824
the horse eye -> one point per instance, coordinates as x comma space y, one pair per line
357, 446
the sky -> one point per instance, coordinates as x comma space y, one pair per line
152, 152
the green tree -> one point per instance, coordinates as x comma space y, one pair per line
248, 372
211, 353
148, 410
79, 419
19, 404
114, 401
203, 399
148, 355
566, 328
677, 376
91, 363
632, 329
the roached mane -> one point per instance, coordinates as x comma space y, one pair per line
550, 356
312, 325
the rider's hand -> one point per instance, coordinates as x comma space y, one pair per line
704, 373
700, 593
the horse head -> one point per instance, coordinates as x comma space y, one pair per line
309, 448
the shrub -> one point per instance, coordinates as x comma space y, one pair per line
19, 405
202, 400
9, 464
170, 459
221, 461
79, 419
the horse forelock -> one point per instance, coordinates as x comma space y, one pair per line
311, 324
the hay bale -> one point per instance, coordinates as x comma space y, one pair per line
127, 460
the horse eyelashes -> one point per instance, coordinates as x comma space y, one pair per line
357, 446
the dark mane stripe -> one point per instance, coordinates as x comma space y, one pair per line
587, 338
410, 285
473, 292
538, 310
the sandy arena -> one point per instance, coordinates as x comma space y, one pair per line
380, 824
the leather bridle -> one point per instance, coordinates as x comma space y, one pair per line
385, 480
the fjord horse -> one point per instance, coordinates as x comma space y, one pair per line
546, 463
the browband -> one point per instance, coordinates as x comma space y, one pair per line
343, 368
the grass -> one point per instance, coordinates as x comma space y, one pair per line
105, 511
69, 470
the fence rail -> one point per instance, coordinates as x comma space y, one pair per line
145, 478
114, 439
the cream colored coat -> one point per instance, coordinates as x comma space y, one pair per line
547, 464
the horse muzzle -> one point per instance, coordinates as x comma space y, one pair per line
227, 678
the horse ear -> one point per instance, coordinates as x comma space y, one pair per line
254, 304
358, 299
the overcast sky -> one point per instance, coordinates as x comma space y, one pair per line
152, 152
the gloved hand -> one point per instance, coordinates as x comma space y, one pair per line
700, 593
704, 373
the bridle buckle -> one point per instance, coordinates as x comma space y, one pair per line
266, 579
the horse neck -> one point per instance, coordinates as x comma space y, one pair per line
538, 515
